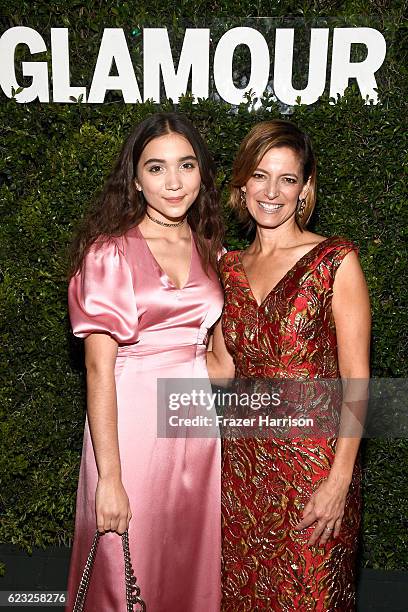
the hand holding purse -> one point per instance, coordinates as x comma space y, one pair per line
132, 590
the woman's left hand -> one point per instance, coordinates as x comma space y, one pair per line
326, 507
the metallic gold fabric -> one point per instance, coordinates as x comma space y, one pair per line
267, 565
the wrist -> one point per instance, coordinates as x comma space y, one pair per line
340, 477
110, 477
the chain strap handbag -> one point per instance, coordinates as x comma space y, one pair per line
132, 590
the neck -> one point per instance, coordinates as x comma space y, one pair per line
268, 239
167, 223
179, 228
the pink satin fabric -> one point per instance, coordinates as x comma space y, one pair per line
173, 484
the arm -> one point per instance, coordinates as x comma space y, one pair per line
219, 361
111, 501
351, 312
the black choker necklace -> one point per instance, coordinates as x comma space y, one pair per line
163, 223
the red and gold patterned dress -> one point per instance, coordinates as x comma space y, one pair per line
267, 564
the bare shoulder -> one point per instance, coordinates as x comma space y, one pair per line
312, 238
349, 285
351, 303
350, 269
307, 242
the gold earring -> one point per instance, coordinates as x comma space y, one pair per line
300, 208
243, 200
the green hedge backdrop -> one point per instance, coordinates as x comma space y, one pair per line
53, 159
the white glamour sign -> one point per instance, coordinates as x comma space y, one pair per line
194, 62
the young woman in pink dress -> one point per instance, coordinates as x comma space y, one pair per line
144, 293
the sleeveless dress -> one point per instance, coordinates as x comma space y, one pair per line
173, 484
267, 565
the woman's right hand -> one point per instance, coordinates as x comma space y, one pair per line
112, 505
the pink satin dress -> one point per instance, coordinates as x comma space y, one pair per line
173, 484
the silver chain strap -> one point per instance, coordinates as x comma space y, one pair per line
132, 589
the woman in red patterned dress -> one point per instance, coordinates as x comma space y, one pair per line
296, 307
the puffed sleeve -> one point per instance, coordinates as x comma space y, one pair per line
101, 297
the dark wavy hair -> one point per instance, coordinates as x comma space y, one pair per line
119, 206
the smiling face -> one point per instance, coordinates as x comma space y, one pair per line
273, 190
169, 176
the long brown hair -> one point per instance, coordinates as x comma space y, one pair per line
120, 205
263, 137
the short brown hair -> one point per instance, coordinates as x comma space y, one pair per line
263, 137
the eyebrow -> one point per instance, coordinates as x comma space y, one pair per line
283, 173
163, 161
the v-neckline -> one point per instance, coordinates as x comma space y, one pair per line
161, 269
282, 279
